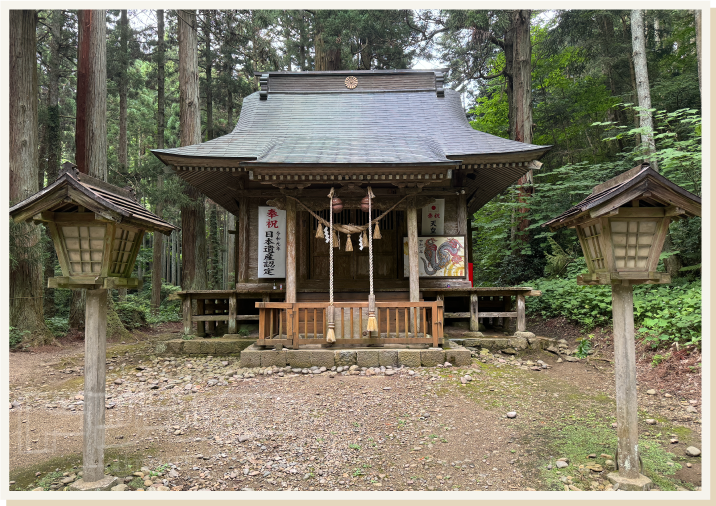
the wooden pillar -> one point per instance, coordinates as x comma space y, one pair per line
414, 272
242, 248
232, 314
521, 319
462, 227
186, 313
625, 372
94, 388
290, 250
200, 326
474, 311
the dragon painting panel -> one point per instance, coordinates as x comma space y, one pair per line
438, 257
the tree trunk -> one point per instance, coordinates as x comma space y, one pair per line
520, 98
192, 215
123, 64
697, 25
54, 143
26, 297
642, 86
208, 62
157, 267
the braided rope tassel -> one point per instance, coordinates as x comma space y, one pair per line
372, 325
331, 334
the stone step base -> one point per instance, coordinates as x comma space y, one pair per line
254, 356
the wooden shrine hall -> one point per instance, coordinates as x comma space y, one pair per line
385, 160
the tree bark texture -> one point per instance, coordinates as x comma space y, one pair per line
124, 63
192, 216
208, 62
91, 132
641, 75
518, 44
26, 294
54, 143
697, 25
157, 247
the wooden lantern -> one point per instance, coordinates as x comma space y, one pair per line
97, 229
622, 226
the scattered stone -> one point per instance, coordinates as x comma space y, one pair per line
650, 421
688, 464
673, 440
512, 414
447, 364
609, 463
243, 438
509, 351
667, 396
614, 425
559, 360
691, 409
651, 391
692, 451
571, 359
561, 464
119, 488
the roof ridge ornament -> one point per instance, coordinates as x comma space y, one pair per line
440, 84
263, 83
71, 169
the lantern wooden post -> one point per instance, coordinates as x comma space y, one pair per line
621, 227
97, 230
625, 373
94, 388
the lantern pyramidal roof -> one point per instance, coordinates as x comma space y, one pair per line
73, 189
643, 184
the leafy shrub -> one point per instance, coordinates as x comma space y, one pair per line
16, 336
663, 313
585, 346
58, 325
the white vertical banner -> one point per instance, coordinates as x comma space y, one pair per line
434, 218
272, 242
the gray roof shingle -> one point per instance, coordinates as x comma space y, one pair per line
363, 127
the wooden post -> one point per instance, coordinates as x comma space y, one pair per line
242, 250
200, 325
462, 228
414, 272
94, 389
521, 320
474, 309
625, 372
290, 250
232, 314
186, 313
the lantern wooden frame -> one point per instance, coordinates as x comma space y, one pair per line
623, 224
90, 221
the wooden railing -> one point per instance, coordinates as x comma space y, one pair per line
293, 324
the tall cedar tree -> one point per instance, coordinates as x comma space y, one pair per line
123, 84
26, 297
158, 238
193, 218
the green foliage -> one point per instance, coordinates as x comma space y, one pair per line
135, 311
17, 336
657, 359
557, 261
584, 346
58, 325
664, 313
669, 314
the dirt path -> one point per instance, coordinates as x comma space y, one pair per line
414, 430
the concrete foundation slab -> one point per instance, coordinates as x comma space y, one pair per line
431, 358
323, 358
388, 358
298, 358
206, 346
518, 343
640, 483
250, 358
192, 347
345, 357
458, 357
105, 483
368, 358
409, 358
270, 358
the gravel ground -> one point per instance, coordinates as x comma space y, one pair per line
213, 426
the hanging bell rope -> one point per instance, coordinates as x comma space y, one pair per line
372, 325
331, 334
